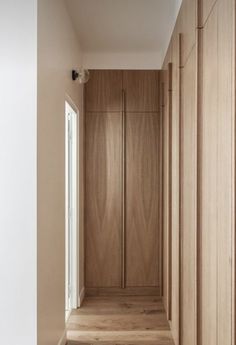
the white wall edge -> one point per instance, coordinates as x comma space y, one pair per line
63, 339
81, 297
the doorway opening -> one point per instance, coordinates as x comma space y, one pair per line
71, 251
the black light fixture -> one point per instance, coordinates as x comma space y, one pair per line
82, 75
75, 75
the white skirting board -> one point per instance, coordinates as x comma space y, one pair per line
63, 339
81, 297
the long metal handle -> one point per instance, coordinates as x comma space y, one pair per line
123, 240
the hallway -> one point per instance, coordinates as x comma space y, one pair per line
118, 172
123, 320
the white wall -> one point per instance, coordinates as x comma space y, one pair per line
122, 60
58, 54
18, 83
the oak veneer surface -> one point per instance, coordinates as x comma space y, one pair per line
103, 199
166, 217
189, 200
209, 212
119, 320
188, 27
141, 89
226, 170
128, 291
142, 233
106, 197
218, 163
175, 184
207, 6
103, 92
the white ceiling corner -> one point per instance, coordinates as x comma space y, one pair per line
123, 33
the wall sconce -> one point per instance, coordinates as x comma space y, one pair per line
82, 75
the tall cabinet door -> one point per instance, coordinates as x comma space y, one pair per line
189, 201
141, 89
142, 178
103, 199
103, 92
142, 235
103, 179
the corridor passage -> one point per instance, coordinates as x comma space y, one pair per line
121, 320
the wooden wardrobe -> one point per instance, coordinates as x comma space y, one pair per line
123, 237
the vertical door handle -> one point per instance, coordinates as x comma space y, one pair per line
123, 239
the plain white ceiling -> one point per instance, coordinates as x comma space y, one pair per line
124, 26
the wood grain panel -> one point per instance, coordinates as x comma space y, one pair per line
218, 185
175, 184
119, 320
216, 173
206, 6
115, 322
226, 167
103, 91
142, 236
120, 338
127, 291
103, 199
141, 89
165, 200
209, 209
188, 27
189, 200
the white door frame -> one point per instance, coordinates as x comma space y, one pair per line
71, 205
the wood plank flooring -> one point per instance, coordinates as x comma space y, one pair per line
119, 320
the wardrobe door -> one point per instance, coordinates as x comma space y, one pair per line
141, 89
142, 235
103, 199
103, 91
188, 201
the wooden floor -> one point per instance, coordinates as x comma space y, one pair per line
120, 320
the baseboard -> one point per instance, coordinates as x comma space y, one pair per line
81, 297
129, 291
63, 340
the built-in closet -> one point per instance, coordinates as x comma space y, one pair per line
123, 238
